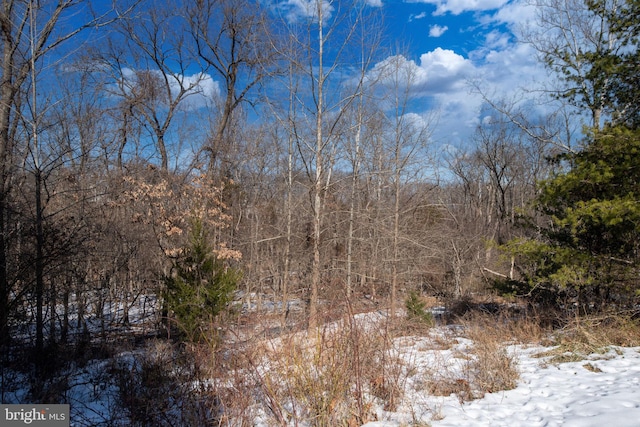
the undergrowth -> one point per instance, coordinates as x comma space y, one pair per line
492, 367
346, 371
581, 337
329, 377
162, 386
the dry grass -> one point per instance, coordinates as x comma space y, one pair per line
597, 332
592, 368
468, 372
332, 376
486, 365
585, 336
446, 387
522, 329
338, 374
492, 368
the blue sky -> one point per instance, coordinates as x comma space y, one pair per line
425, 29
454, 42
448, 43
459, 25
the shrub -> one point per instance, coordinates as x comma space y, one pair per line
583, 336
331, 376
199, 288
159, 387
589, 244
416, 309
492, 368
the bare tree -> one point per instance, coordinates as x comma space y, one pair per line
29, 32
576, 42
150, 65
360, 120
232, 40
322, 33
496, 179
404, 151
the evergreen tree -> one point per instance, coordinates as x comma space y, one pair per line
591, 245
199, 288
622, 67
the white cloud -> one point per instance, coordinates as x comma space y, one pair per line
444, 70
421, 15
296, 10
458, 115
417, 121
501, 67
497, 40
440, 71
504, 73
204, 90
437, 30
440, 78
456, 7
300, 10
200, 88
516, 13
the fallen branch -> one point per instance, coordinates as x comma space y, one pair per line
504, 276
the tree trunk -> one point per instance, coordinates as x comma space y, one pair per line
319, 174
7, 92
39, 267
352, 203
288, 212
396, 235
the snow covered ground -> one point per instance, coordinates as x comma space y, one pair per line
603, 389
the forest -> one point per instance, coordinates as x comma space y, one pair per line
184, 179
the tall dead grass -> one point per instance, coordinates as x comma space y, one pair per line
582, 336
492, 368
486, 366
342, 372
595, 332
335, 375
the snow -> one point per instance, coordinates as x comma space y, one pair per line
603, 389
598, 390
